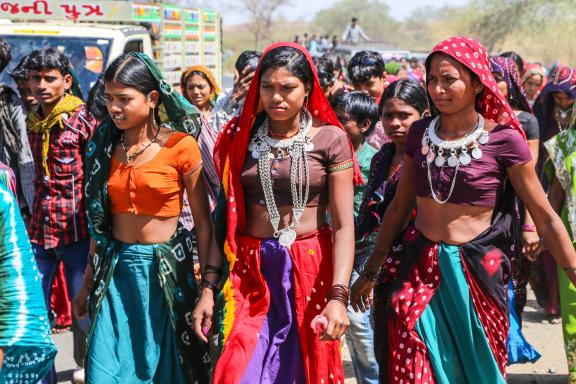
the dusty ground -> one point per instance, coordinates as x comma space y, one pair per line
545, 336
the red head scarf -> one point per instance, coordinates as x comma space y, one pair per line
232, 145
491, 103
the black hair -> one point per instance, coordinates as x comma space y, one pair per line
132, 72
21, 72
517, 59
325, 70
290, 58
5, 54
195, 73
96, 103
360, 107
409, 92
247, 58
365, 64
49, 58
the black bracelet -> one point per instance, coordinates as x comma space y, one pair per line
208, 284
368, 274
212, 269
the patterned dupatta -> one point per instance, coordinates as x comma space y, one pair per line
507, 68
562, 150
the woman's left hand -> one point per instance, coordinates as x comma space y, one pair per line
202, 314
338, 321
531, 245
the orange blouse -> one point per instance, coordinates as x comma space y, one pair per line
156, 187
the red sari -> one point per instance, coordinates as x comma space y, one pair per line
246, 293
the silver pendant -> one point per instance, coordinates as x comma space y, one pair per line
255, 154
430, 157
287, 238
309, 147
425, 149
465, 159
439, 161
483, 138
453, 161
476, 153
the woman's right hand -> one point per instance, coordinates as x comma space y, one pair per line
202, 314
361, 294
80, 303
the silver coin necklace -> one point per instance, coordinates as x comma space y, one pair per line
261, 148
454, 153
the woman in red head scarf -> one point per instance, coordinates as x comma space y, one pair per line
448, 317
284, 163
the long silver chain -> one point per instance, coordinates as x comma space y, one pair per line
296, 147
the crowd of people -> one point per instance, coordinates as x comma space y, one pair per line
236, 235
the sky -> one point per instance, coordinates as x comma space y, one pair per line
306, 9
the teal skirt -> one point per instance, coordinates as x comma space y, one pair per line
449, 326
133, 340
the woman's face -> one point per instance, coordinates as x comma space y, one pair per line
562, 100
281, 94
198, 91
532, 85
397, 117
127, 106
450, 84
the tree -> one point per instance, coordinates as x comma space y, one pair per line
373, 16
496, 20
262, 14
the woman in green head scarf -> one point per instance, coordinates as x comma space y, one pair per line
140, 161
562, 195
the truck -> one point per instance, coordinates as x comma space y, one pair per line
93, 33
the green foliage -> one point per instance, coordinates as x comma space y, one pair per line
373, 16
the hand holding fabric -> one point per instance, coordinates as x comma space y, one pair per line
338, 321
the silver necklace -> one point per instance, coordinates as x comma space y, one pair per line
296, 147
435, 149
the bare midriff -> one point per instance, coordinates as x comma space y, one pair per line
454, 224
258, 223
142, 229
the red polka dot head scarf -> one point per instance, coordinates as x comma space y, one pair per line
491, 103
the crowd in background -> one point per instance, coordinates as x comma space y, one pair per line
111, 169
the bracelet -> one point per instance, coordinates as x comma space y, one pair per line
340, 293
569, 269
208, 284
529, 228
212, 269
368, 274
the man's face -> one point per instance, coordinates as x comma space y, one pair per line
25, 91
49, 86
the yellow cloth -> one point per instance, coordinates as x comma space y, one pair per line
68, 104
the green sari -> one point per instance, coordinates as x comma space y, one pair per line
562, 150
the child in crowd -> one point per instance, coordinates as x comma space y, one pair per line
358, 114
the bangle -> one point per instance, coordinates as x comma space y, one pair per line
368, 274
569, 269
208, 284
340, 293
529, 228
212, 269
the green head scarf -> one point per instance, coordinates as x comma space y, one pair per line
174, 111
